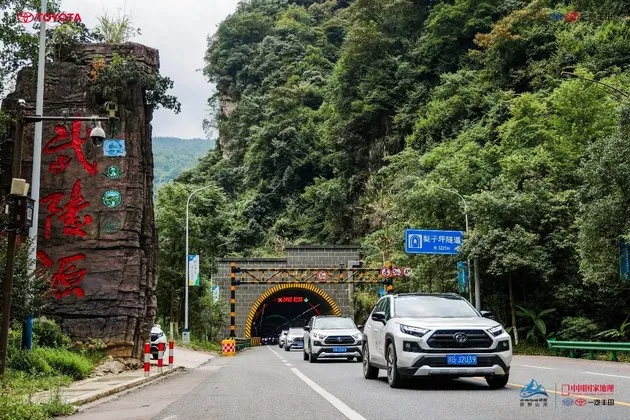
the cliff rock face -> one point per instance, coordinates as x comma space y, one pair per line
97, 237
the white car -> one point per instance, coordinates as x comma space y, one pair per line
294, 339
282, 338
332, 336
157, 337
434, 335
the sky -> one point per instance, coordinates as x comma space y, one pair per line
178, 29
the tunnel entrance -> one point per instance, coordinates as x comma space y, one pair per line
285, 306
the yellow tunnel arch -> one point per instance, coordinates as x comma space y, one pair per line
252, 312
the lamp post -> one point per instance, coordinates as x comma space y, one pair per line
477, 288
186, 334
27, 329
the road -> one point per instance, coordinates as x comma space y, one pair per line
268, 383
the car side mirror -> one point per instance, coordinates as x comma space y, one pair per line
486, 314
307, 328
360, 327
379, 316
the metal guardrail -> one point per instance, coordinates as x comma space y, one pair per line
242, 343
592, 347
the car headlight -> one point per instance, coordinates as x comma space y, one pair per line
318, 336
495, 331
357, 336
416, 331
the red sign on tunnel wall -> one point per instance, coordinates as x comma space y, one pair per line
291, 299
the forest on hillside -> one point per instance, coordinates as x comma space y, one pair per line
172, 156
346, 121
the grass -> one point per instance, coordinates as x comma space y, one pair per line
17, 390
203, 345
525, 348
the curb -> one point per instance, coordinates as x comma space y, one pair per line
120, 388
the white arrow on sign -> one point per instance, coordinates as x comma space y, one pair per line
407, 271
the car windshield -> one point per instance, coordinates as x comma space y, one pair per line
296, 331
432, 307
334, 323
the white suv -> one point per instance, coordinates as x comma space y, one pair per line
332, 336
434, 334
294, 339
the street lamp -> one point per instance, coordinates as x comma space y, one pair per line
477, 288
186, 334
7, 284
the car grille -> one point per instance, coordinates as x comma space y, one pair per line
154, 337
445, 339
298, 339
339, 339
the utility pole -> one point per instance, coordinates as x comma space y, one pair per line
7, 283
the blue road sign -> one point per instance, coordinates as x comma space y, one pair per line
445, 242
624, 260
462, 277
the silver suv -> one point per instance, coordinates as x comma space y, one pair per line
332, 336
294, 339
434, 334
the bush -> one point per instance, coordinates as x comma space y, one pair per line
46, 333
65, 362
577, 329
31, 362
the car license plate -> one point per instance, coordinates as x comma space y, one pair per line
340, 349
461, 359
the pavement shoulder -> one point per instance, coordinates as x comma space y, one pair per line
89, 390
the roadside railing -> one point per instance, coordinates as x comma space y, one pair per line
589, 346
231, 346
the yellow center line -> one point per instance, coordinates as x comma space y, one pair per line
586, 397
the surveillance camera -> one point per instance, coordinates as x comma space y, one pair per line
97, 135
111, 108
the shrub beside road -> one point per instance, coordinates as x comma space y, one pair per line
53, 362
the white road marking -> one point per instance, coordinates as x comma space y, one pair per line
606, 374
288, 364
337, 403
536, 367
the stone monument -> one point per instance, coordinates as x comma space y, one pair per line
97, 239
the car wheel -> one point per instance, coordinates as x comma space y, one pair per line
287, 348
393, 377
369, 371
305, 355
496, 382
311, 357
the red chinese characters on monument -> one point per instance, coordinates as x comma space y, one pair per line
73, 223
64, 140
66, 280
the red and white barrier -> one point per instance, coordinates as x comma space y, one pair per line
147, 359
160, 357
171, 348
